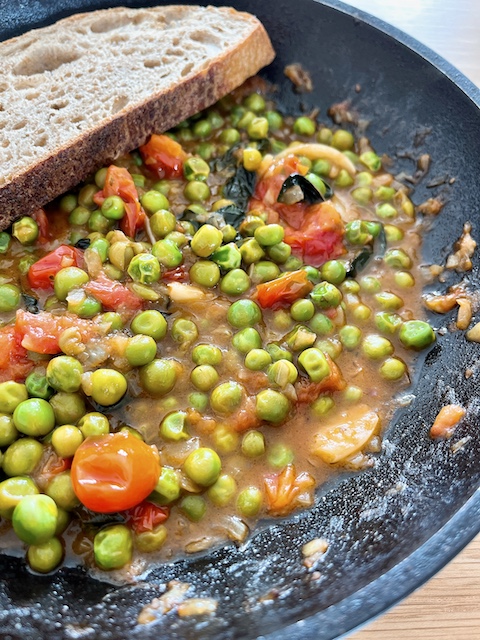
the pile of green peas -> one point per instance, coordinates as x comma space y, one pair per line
172, 358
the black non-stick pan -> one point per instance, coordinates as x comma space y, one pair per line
389, 528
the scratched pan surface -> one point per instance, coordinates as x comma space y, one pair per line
389, 528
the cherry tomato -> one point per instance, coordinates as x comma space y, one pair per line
164, 156
146, 516
42, 272
114, 472
112, 294
14, 363
284, 290
119, 182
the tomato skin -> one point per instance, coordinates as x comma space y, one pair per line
146, 516
40, 332
283, 489
114, 472
41, 219
284, 290
41, 273
164, 156
14, 362
112, 294
119, 182
177, 274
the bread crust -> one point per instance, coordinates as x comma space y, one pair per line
79, 157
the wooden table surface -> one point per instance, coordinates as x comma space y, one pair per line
448, 606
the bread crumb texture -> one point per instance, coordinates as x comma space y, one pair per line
58, 82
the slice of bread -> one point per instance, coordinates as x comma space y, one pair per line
79, 93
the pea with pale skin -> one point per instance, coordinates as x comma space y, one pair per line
249, 502
12, 490
246, 340
226, 397
22, 456
67, 279
9, 298
376, 347
244, 313
66, 440
272, 406
45, 557
205, 273
253, 444
140, 350
60, 489
223, 490
173, 426
203, 466
207, 354
34, 417
184, 331
204, 377
158, 377
108, 386
113, 547
150, 323
34, 519
67, 407
150, 541
8, 431
64, 373
194, 507
93, 424
11, 395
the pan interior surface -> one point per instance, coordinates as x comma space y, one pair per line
391, 527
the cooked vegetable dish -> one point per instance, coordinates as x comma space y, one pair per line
200, 335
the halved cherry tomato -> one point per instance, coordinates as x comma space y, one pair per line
41, 219
42, 272
14, 363
114, 472
284, 290
40, 332
119, 182
283, 489
164, 156
146, 516
112, 294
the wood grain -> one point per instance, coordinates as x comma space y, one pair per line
448, 606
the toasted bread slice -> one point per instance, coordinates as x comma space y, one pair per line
79, 93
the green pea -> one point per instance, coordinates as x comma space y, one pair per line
362, 195
68, 203
330, 346
98, 222
64, 373
108, 386
416, 334
253, 444
34, 417
11, 395
313, 274
198, 401
204, 377
397, 259
63, 520
158, 377
343, 179
9, 297
12, 491
138, 179
269, 234
34, 519
376, 347
163, 186
280, 253
140, 350
167, 253
60, 489
282, 372
302, 310
205, 273
168, 487
246, 340
387, 322
251, 251
333, 271
86, 194
250, 224
350, 336
83, 305
244, 313
4, 242
8, 431
113, 208
322, 406
361, 313
203, 466
194, 507
225, 439
385, 210
235, 283
326, 295
314, 362
206, 240
67, 279
255, 102
275, 120
371, 161
300, 338
150, 323
196, 191
272, 406
113, 319
352, 393
101, 247
389, 301
226, 397
370, 284
393, 233
317, 182
184, 331
45, 557
249, 502
227, 257
25, 230
279, 455
202, 129
173, 426
246, 118
79, 216
93, 424
67, 407
162, 223
230, 137
321, 324
282, 320
153, 201
393, 369
66, 440
229, 233
195, 168
384, 193
207, 354
304, 126
215, 119
144, 268
277, 353
264, 271
404, 279
151, 540
223, 490
257, 359
113, 547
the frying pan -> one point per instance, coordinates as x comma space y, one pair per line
392, 527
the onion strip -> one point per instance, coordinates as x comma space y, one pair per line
312, 151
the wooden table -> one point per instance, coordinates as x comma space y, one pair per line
448, 606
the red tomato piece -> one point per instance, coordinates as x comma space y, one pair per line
40, 332
112, 294
283, 489
164, 156
146, 516
42, 272
284, 290
119, 182
14, 363
308, 391
41, 219
114, 472
320, 236
178, 274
